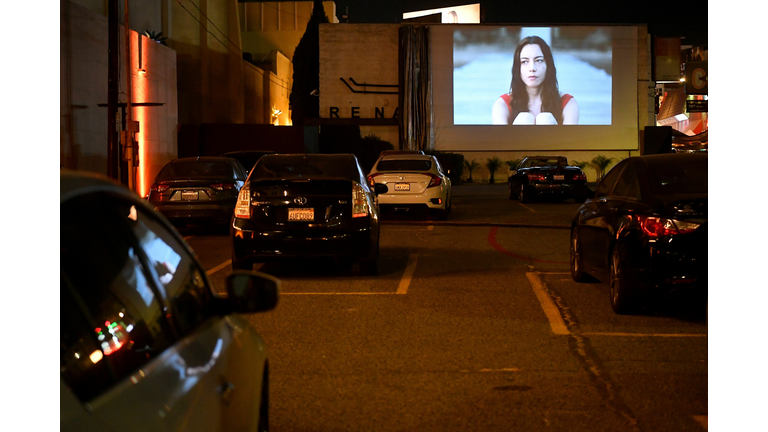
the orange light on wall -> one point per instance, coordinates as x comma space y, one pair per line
141, 92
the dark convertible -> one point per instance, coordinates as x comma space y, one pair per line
547, 175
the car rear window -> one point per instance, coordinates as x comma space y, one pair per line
404, 165
196, 169
673, 176
299, 167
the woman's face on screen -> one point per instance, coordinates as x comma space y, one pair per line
533, 68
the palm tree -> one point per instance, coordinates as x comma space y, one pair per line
471, 167
493, 164
600, 163
512, 164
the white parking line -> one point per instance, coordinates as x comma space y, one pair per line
218, 267
408, 274
703, 420
556, 321
187, 237
527, 207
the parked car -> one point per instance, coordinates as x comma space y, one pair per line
645, 231
198, 190
247, 158
146, 341
416, 183
306, 205
547, 175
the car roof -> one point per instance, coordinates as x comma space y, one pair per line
73, 183
247, 152
203, 159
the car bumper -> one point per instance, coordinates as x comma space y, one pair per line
196, 213
431, 198
249, 242
664, 269
560, 188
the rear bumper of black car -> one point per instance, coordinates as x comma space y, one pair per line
197, 213
661, 269
250, 242
560, 188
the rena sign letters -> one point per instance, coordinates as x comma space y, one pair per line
354, 112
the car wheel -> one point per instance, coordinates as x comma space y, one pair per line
577, 270
525, 195
241, 264
450, 205
264, 407
511, 195
619, 284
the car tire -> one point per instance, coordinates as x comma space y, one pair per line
264, 407
241, 264
577, 268
620, 284
511, 195
450, 205
526, 195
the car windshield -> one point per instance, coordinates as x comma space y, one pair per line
554, 162
299, 167
196, 169
670, 176
404, 165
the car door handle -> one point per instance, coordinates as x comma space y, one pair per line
225, 390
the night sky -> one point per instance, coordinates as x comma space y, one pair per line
663, 18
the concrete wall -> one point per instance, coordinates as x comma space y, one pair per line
83, 85
278, 26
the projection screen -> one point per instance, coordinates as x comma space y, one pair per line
593, 78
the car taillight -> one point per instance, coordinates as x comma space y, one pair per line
435, 181
243, 206
371, 177
223, 186
159, 188
580, 176
656, 227
359, 202
536, 177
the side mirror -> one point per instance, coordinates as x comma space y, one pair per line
380, 188
249, 292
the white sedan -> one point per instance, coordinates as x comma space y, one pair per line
416, 183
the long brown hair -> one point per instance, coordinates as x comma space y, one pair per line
550, 94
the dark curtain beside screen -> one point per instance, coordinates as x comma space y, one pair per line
415, 88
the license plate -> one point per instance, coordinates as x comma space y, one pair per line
559, 177
301, 214
402, 186
189, 196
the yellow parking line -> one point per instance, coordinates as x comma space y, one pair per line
556, 321
218, 267
527, 207
408, 274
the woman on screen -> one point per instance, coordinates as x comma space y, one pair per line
533, 97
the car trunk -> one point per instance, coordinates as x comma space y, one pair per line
301, 203
192, 190
558, 174
403, 183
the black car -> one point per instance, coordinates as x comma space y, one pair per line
198, 190
547, 175
645, 230
306, 205
247, 158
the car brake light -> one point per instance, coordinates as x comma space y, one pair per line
656, 227
243, 206
536, 177
223, 186
360, 206
434, 181
159, 188
580, 176
371, 177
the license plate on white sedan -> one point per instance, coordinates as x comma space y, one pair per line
558, 177
402, 186
189, 196
301, 214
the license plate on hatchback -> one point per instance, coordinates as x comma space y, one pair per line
189, 195
558, 177
301, 214
402, 186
